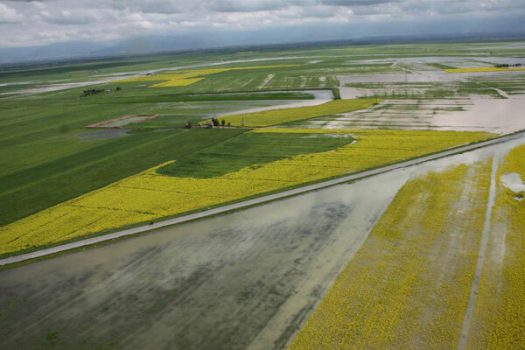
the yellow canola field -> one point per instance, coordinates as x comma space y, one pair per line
408, 286
149, 195
278, 116
188, 77
499, 316
484, 69
311, 131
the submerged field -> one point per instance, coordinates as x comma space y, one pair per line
280, 116
406, 259
408, 286
498, 317
445, 275
237, 281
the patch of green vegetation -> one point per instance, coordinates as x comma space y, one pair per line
46, 158
35, 188
204, 97
279, 116
440, 66
336, 93
245, 96
250, 149
477, 88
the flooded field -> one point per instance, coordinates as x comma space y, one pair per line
320, 97
461, 114
242, 280
236, 278
249, 279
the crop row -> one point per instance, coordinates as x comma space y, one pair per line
185, 78
278, 116
408, 286
150, 195
499, 316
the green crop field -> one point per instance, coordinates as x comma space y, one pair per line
106, 147
49, 156
251, 149
267, 118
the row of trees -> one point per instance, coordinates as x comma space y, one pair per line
90, 92
214, 122
508, 65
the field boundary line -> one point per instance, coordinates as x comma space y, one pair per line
467, 319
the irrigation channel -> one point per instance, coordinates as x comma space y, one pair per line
244, 279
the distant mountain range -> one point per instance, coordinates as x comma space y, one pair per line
197, 41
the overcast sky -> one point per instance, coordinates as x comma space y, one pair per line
30, 23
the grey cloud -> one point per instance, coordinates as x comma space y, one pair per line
9, 14
246, 5
37, 22
351, 3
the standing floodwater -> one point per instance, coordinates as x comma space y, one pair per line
241, 280
219, 283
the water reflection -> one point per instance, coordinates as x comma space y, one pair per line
244, 279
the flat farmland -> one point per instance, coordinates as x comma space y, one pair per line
208, 179
445, 275
498, 318
408, 286
236, 281
429, 255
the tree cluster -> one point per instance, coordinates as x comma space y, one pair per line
90, 92
506, 65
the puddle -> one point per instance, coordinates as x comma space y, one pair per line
513, 182
102, 134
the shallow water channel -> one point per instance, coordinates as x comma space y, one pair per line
241, 280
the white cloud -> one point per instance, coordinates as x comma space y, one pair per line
9, 15
36, 22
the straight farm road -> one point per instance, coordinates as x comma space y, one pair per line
256, 201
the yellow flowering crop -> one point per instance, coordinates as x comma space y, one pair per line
304, 131
150, 195
484, 69
408, 285
278, 116
499, 316
188, 77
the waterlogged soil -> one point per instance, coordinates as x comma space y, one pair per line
320, 97
496, 115
247, 278
502, 115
